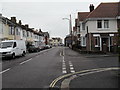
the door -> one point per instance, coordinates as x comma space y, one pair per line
16, 48
104, 44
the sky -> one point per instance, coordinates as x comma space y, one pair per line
47, 14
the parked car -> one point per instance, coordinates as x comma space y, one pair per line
48, 46
42, 47
33, 48
12, 48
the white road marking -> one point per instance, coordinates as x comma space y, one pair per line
25, 61
64, 71
5, 71
60, 54
63, 66
72, 71
71, 67
63, 58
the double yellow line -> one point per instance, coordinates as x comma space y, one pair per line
83, 71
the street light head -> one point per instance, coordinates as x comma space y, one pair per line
65, 18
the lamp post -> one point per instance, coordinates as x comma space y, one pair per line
70, 27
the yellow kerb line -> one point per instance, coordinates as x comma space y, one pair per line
61, 77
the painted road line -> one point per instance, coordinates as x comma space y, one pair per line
64, 71
71, 65
25, 61
5, 71
72, 70
60, 54
64, 66
80, 72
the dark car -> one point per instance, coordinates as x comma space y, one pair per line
33, 48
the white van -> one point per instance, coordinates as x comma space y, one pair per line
12, 48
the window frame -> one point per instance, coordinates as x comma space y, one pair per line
99, 22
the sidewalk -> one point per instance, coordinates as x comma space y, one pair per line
106, 79
97, 54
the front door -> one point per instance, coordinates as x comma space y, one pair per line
104, 44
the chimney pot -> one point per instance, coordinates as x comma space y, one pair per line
20, 22
13, 19
91, 7
26, 25
0, 15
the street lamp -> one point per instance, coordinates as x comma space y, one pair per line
70, 26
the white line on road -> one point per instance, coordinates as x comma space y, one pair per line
60, 54
64, 71
5, 71
71, 67
25, 61
63, 66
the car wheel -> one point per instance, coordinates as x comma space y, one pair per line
23, 54
13, 56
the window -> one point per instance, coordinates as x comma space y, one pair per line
23, 33
96, 41
14, 45
99, 24
87, 29
17, 32
83, 26
11, 30
27, 34
31, 34
111, 41
83, 41
106, 24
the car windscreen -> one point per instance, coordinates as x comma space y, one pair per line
6, 44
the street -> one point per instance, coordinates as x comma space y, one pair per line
60, 67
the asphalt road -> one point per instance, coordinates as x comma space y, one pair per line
50, 68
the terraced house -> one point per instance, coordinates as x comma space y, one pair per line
98, 29
11, 30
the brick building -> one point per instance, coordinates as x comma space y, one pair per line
99, 28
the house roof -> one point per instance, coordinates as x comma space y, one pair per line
82, 15
104, 10
109, 10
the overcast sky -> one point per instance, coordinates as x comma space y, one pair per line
47, 15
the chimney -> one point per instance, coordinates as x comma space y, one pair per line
13, 19
40, 30
26, 25
20, 22
0, 15
91, 7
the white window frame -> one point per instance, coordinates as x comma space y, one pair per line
83, 43
106, 24
103, 24
97, 45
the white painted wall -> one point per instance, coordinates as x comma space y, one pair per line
0, 28
92, 26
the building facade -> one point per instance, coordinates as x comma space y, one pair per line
98, 30
11, 30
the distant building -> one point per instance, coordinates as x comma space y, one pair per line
10, 29
46, 36
56, 41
